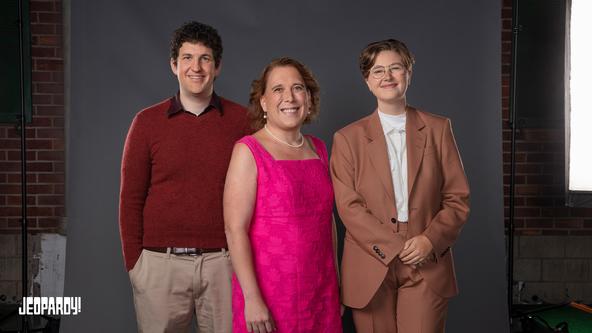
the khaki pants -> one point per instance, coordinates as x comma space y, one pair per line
404, 303
169, 288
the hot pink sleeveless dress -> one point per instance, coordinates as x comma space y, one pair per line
291, 243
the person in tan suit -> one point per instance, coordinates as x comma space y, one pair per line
403, 197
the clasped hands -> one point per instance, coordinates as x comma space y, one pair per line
416, 251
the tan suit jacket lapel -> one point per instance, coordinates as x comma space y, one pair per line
378, 153
416, 141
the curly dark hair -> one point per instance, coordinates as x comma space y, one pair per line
196, 32
259, 85
369, 53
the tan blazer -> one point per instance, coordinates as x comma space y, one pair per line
438, 201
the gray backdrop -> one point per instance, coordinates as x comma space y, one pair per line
119, 65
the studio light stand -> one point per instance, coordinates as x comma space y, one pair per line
23, 127
513, 126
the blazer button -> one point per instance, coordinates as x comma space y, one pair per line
382, 255
394, 220
375, 248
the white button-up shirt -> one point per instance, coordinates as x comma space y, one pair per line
394, 133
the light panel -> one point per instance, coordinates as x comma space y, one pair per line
580, 134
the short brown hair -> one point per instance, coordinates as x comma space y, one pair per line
196, 32
369, 53
258, 89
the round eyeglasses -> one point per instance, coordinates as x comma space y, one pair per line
379, 72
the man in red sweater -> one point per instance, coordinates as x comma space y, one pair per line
172, 177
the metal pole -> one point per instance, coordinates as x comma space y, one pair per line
23, 124
512, 123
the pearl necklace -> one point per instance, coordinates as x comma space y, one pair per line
284, 142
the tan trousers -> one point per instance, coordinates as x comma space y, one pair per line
169, 288
403, 304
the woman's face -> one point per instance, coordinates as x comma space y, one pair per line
286, 99
388, 78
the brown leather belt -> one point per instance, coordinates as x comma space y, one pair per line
190, 251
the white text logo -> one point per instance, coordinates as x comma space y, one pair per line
50, 306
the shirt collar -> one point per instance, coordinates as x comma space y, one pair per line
176, 106
391, 123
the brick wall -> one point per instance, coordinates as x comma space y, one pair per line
45, 134
540, 167
554, 269
45, 155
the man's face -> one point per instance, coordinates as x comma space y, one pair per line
195, 69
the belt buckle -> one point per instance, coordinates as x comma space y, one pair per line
181, 251
194, 251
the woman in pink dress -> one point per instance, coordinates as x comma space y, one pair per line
278, 204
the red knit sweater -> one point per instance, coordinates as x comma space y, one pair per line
172, 176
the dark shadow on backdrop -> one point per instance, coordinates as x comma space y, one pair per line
119, 65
